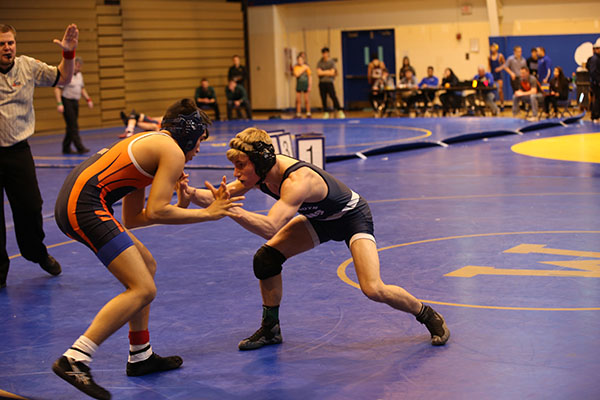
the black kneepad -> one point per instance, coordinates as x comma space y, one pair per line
267, 262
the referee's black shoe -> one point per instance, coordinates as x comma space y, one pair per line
51, 266
435, 325
78, 374
262, 337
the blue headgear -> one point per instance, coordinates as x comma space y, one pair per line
263, 157
187, 129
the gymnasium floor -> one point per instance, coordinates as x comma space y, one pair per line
500, 234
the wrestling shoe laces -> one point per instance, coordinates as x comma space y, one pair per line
262, 337
78, 374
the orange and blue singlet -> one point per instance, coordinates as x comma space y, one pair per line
83, 208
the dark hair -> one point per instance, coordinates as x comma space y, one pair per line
405, 58
516, 47
561, 75
203, 80
8, 28
374, 56
430, 67
180, 107
525, 68
325, 50
534, 49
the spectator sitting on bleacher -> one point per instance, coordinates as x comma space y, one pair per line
409, 81
544, 66
559, 90
236, 99
450, 99
528, 92
206, 98
483, 80
429, 81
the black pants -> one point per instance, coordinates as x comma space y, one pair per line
214, 106
327, 89
595, 89
450, 101
71, 114
231, 106
18, 180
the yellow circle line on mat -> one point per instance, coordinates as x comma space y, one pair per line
341, 271
583, 147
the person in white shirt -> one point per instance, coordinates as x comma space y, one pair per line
67, 100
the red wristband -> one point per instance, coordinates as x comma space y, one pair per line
89, 99
69, 55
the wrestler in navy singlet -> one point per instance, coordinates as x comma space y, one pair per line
340, 215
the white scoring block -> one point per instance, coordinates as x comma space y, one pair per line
311, 148
282, 142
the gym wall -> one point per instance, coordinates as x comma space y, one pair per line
141, 54
424, 30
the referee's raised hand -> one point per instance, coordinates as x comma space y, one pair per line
70, 39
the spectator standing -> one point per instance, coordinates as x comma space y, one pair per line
496, 61
303, 85
20, 76
378, 94
513, 67
327, 72
559, 90
528, 92
544, 66
236, 100
237, 72
593, 66
67, 99
532, 62
406, 67
375, 69
206, 97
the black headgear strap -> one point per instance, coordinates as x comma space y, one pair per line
263, 157
187, 129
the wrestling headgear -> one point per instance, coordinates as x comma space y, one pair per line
262, 156
187, 129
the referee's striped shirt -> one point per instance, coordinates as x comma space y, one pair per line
17, 117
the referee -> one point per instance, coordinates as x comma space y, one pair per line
18, 78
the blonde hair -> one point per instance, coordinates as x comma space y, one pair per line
242, 142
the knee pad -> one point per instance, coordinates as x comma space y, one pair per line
268, 262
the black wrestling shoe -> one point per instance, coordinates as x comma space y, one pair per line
123, 117
262, 337
51, 266
154, 363
83, 150
78, 374
435, 325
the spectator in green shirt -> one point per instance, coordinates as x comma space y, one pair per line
206, 98
236, 99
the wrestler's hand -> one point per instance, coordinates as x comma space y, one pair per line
184, 192
70, 39
222, 192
